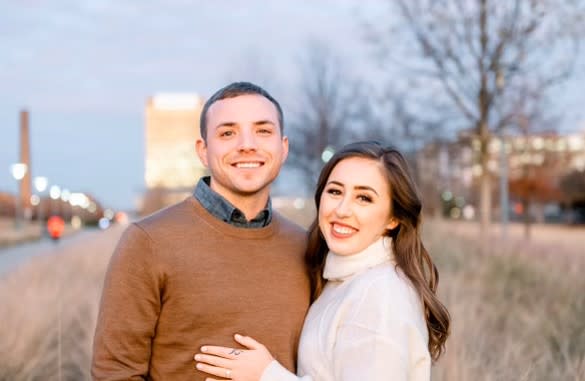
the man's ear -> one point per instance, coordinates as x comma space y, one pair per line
392, 224
284, 148
201, 148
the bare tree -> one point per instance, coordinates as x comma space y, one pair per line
332, 110
480, 59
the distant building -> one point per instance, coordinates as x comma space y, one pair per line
172, 167
450, 170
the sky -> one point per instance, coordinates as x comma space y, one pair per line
84, 69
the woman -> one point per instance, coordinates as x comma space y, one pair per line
375, 314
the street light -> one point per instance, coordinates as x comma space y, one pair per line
55, 194
18, 171
41, 184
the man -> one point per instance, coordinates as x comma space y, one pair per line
217, 263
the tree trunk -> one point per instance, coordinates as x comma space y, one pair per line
526, 203
485, 205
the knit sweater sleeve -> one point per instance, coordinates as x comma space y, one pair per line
129, 309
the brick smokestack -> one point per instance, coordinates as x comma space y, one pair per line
25, 184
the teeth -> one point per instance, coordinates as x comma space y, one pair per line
342, 229
248, 165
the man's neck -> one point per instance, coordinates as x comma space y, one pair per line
250, 204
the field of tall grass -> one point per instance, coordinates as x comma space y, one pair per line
517, 313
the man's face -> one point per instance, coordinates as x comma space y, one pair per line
245, 149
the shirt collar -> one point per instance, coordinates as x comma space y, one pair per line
342, 267
222, 209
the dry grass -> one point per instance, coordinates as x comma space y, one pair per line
516, 315
49, 309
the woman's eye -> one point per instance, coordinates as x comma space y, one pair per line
334, 191
364, 198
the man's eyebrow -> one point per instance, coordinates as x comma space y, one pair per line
234, 124
263, 122
226, 124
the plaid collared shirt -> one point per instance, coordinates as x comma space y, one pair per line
225, 211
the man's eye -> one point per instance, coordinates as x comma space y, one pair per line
265, 131
226, 133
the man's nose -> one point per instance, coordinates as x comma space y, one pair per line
247, 141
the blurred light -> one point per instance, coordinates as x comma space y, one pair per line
299, 203
468, 212
78, 199
518, 208
104, 223
18, 170
55, 192
109, 214
327, 154
65, 194
477, 171
76, 222
455, 213
41, 183
85, 203
92, 207
538, 143
121, 218
576, 143
494, 146
447, 196
55, 226
35, 200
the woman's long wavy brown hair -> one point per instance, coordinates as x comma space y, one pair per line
411, 256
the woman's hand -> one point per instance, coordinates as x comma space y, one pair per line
235, 364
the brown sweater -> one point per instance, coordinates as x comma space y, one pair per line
181, 278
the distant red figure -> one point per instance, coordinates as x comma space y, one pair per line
55, 227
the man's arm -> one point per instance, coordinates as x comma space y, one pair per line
129, 309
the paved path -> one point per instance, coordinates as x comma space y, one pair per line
12, 257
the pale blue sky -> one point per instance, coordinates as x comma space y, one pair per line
84, 68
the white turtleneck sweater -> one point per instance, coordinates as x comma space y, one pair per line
368, 324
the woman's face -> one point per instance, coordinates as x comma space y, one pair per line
355, 206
